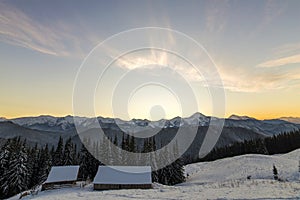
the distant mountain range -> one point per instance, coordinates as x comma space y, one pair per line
295, 120
35, 128
47, 129
63, 124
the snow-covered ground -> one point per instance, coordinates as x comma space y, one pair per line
239, 167
221, 179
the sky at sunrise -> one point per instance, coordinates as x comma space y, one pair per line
254, 46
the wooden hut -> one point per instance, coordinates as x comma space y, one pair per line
123, 177
60, 176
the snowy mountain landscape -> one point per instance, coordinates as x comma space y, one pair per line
220, 179
47, 129
64, 124
241, 161
171, 100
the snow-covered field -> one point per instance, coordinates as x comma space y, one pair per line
221, 179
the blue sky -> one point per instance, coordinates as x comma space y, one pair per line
255, 45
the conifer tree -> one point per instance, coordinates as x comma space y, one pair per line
33, 160
275, 173
115, 153
131, 148
17, 176
145, 159
58, 155
125, 147
103, 150
164, 173
74, 156
44, 164
153, 159
52, 153
177, 171
69, 152
5, 156
88, 163
84, 163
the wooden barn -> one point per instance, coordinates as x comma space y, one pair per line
61, 176
123, 177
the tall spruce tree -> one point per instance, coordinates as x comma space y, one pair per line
164, 173
147, 148
153, 159
69, 153
58, 155
115, 152
85, 164
125, 147
5, 156
131, 148
177, 172
88, 163
44, 164
102, 149
17, 176
33, 160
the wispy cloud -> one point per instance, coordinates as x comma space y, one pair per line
238, 79
287, 49
251, 79
18, 28
281, 61
160, 59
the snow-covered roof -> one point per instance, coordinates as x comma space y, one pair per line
63, 173
123, 175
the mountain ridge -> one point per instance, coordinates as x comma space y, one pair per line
47, 129
295, 120
232, 116
67, 123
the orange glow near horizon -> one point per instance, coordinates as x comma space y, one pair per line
257, 64
256, 115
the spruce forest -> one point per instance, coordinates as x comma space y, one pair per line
23, 167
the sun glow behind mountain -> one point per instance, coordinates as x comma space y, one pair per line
257, 57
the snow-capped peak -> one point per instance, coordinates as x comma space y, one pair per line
3, 119
295, 120
237, 117
35, 120
197, 115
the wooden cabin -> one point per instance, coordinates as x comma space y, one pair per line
61, 176
123, 177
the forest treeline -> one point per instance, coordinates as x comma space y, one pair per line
282, 143
23, 167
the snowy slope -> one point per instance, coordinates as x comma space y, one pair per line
239, 167
253, 189
294, 155
221, 179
